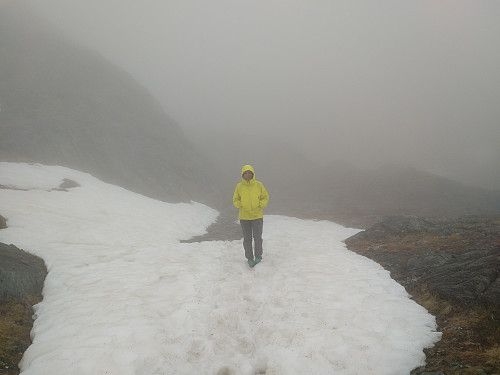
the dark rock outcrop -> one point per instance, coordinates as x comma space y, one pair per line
468, 278
399, 226
458, 259
21, 274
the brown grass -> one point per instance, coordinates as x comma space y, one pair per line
15, 327
471, 337
492, 356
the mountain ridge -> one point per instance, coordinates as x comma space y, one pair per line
63, 104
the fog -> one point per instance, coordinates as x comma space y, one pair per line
412, 82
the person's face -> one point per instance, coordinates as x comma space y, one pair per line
247, 175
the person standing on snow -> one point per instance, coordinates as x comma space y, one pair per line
250, 196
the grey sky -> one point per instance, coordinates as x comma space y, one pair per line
414, 82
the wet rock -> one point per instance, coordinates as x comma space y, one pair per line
21, 274
395, 226
467, 278
458, 259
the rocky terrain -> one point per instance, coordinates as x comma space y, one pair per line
21, 281
452, 268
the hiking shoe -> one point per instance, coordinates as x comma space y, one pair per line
257, 260
251, 262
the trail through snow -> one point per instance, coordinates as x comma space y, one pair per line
125, 296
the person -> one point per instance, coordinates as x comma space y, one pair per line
250, 196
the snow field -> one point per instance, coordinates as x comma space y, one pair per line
124, 296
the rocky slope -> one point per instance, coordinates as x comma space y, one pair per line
63, 104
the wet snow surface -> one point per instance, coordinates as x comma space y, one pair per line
125, 296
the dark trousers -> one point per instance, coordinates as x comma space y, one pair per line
252, 228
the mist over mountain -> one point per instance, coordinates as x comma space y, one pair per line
339, 190
415, 83
63, 104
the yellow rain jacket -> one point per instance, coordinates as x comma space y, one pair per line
250, 197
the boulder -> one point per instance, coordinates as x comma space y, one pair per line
21, 274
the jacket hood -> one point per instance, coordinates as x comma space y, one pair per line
247, 168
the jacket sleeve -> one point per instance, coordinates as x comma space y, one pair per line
264, 197
237, 197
